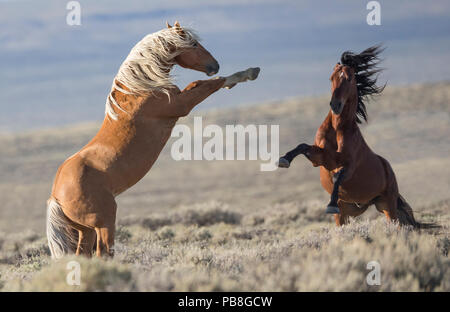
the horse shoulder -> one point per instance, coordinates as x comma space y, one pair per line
324, 134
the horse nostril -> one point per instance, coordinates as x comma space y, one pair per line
336, 106
212, 69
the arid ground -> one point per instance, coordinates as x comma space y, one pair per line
225, 225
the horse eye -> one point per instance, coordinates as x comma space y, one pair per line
195, 44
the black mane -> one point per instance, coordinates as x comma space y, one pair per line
366, 69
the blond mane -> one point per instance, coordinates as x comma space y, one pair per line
147, 66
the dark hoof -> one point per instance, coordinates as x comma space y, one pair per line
283, 163
332, 208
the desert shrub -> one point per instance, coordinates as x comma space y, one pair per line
166, 233
154, 223
208, 217
444, 245
122, 234
17, 248
96, 275
284, 252
204, 234
199, 214
335, 259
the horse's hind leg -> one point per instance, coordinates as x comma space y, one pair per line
347, 210
388, 201
86, 241
388, 206
103, 221
105, 240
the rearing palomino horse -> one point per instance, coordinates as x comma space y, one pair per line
141, 111
355, 176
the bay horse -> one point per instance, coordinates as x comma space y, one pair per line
141, 110
350, 171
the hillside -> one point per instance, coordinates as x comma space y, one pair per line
220, 225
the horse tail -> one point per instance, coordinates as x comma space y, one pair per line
405, 213
62, 238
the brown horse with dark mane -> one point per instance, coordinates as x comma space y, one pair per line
350, 171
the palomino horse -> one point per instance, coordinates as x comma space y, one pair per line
141, 111
355, 176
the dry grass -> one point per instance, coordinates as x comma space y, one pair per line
200, 225
291, 249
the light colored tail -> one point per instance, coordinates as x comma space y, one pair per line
62, 239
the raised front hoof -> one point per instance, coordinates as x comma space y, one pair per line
332, 209
283, 163
253, 73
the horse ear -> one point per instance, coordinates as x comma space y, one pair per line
178, 28
168, 25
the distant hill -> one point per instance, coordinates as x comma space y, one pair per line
407, 125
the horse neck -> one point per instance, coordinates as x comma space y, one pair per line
121, 97
125, 98
347, 118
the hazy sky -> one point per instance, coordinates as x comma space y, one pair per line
53, 74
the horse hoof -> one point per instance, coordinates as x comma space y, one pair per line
332, 209
253, 73
283, 163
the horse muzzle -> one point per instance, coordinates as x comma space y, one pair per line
212, 69
336, 106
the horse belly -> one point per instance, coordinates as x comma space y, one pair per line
137, 159
366, 183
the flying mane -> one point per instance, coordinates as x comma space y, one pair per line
148, 65
366, 69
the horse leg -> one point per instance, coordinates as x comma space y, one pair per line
317, 156
105, 241
199, 90
347, 210
192, 95
86, 241
104, 225
388, 206
333, 207
242, 76
285, 161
